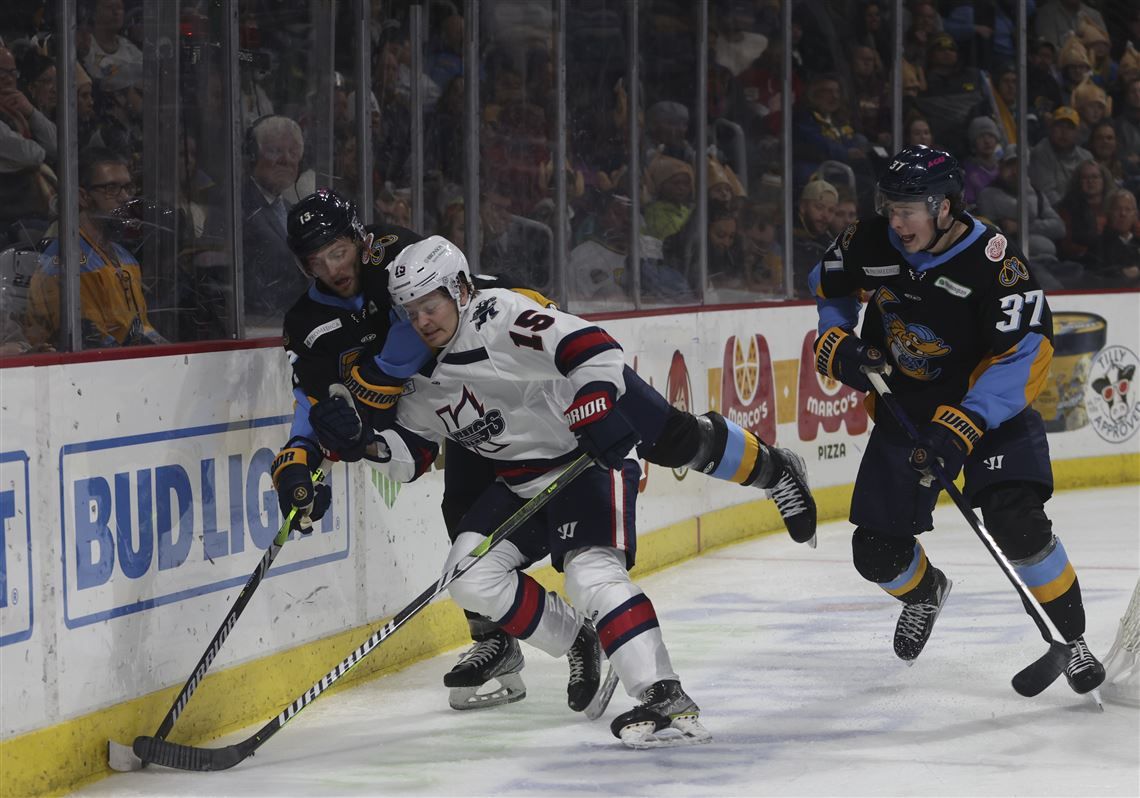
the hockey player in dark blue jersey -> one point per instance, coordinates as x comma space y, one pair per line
962, 333
342, 330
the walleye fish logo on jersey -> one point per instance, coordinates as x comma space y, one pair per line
912, 345
472, 426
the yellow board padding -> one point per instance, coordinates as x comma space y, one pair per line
55, 760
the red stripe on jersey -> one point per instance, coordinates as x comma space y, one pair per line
520, 621
573, 349
638, 613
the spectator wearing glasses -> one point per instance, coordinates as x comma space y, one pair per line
112, 307
27, 145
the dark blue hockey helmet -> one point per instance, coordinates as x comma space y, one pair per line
920, 174
320, 218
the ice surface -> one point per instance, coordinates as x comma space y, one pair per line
788, 652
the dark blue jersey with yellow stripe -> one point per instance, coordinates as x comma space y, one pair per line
969, 326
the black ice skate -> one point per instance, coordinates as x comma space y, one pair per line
665, 717
585, 658
495, 657
1084, 671
917, 620
789, 489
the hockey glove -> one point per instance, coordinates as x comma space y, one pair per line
948, 438
375, 392
293, 482
602, 430
338, 425
844, 356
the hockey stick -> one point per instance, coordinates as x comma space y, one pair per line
187, 757
601, 699
1041, 673
121, 757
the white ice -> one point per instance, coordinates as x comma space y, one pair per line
788, 653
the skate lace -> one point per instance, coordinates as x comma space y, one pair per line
915, 619
577, 665
655, 694
787, 495
481, 653
1081, 659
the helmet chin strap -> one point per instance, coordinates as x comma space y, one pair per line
938, 233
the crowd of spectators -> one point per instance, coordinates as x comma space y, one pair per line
960, 93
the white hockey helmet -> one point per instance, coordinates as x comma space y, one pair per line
425, 266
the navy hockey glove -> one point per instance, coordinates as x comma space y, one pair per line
948, 438
338, 426
602, 430
293, 482
843, 356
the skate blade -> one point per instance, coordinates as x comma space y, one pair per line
601, 700
122, 757
814, 541
685, 730
1094, 696
510, 690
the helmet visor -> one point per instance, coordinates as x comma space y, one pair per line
885, 201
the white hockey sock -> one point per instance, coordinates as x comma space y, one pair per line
599, 585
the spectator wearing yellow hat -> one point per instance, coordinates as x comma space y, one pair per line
1057, 156
1129, 66
1099, 46
1055, 18
1093, 105
1074, 62
669, 182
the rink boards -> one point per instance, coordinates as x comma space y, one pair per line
135, 508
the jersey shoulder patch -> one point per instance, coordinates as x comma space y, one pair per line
995, 247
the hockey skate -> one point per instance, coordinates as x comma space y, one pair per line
789, 489
666, 717
1084, 671
585, 658
496, 657
917, 620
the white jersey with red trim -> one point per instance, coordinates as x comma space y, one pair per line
501, 388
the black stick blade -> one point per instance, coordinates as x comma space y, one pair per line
1040, 674
186, 757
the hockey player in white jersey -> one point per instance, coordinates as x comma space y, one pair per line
530, 388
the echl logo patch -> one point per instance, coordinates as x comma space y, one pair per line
995, 249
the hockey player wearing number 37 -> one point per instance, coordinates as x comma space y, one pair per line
962, 333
